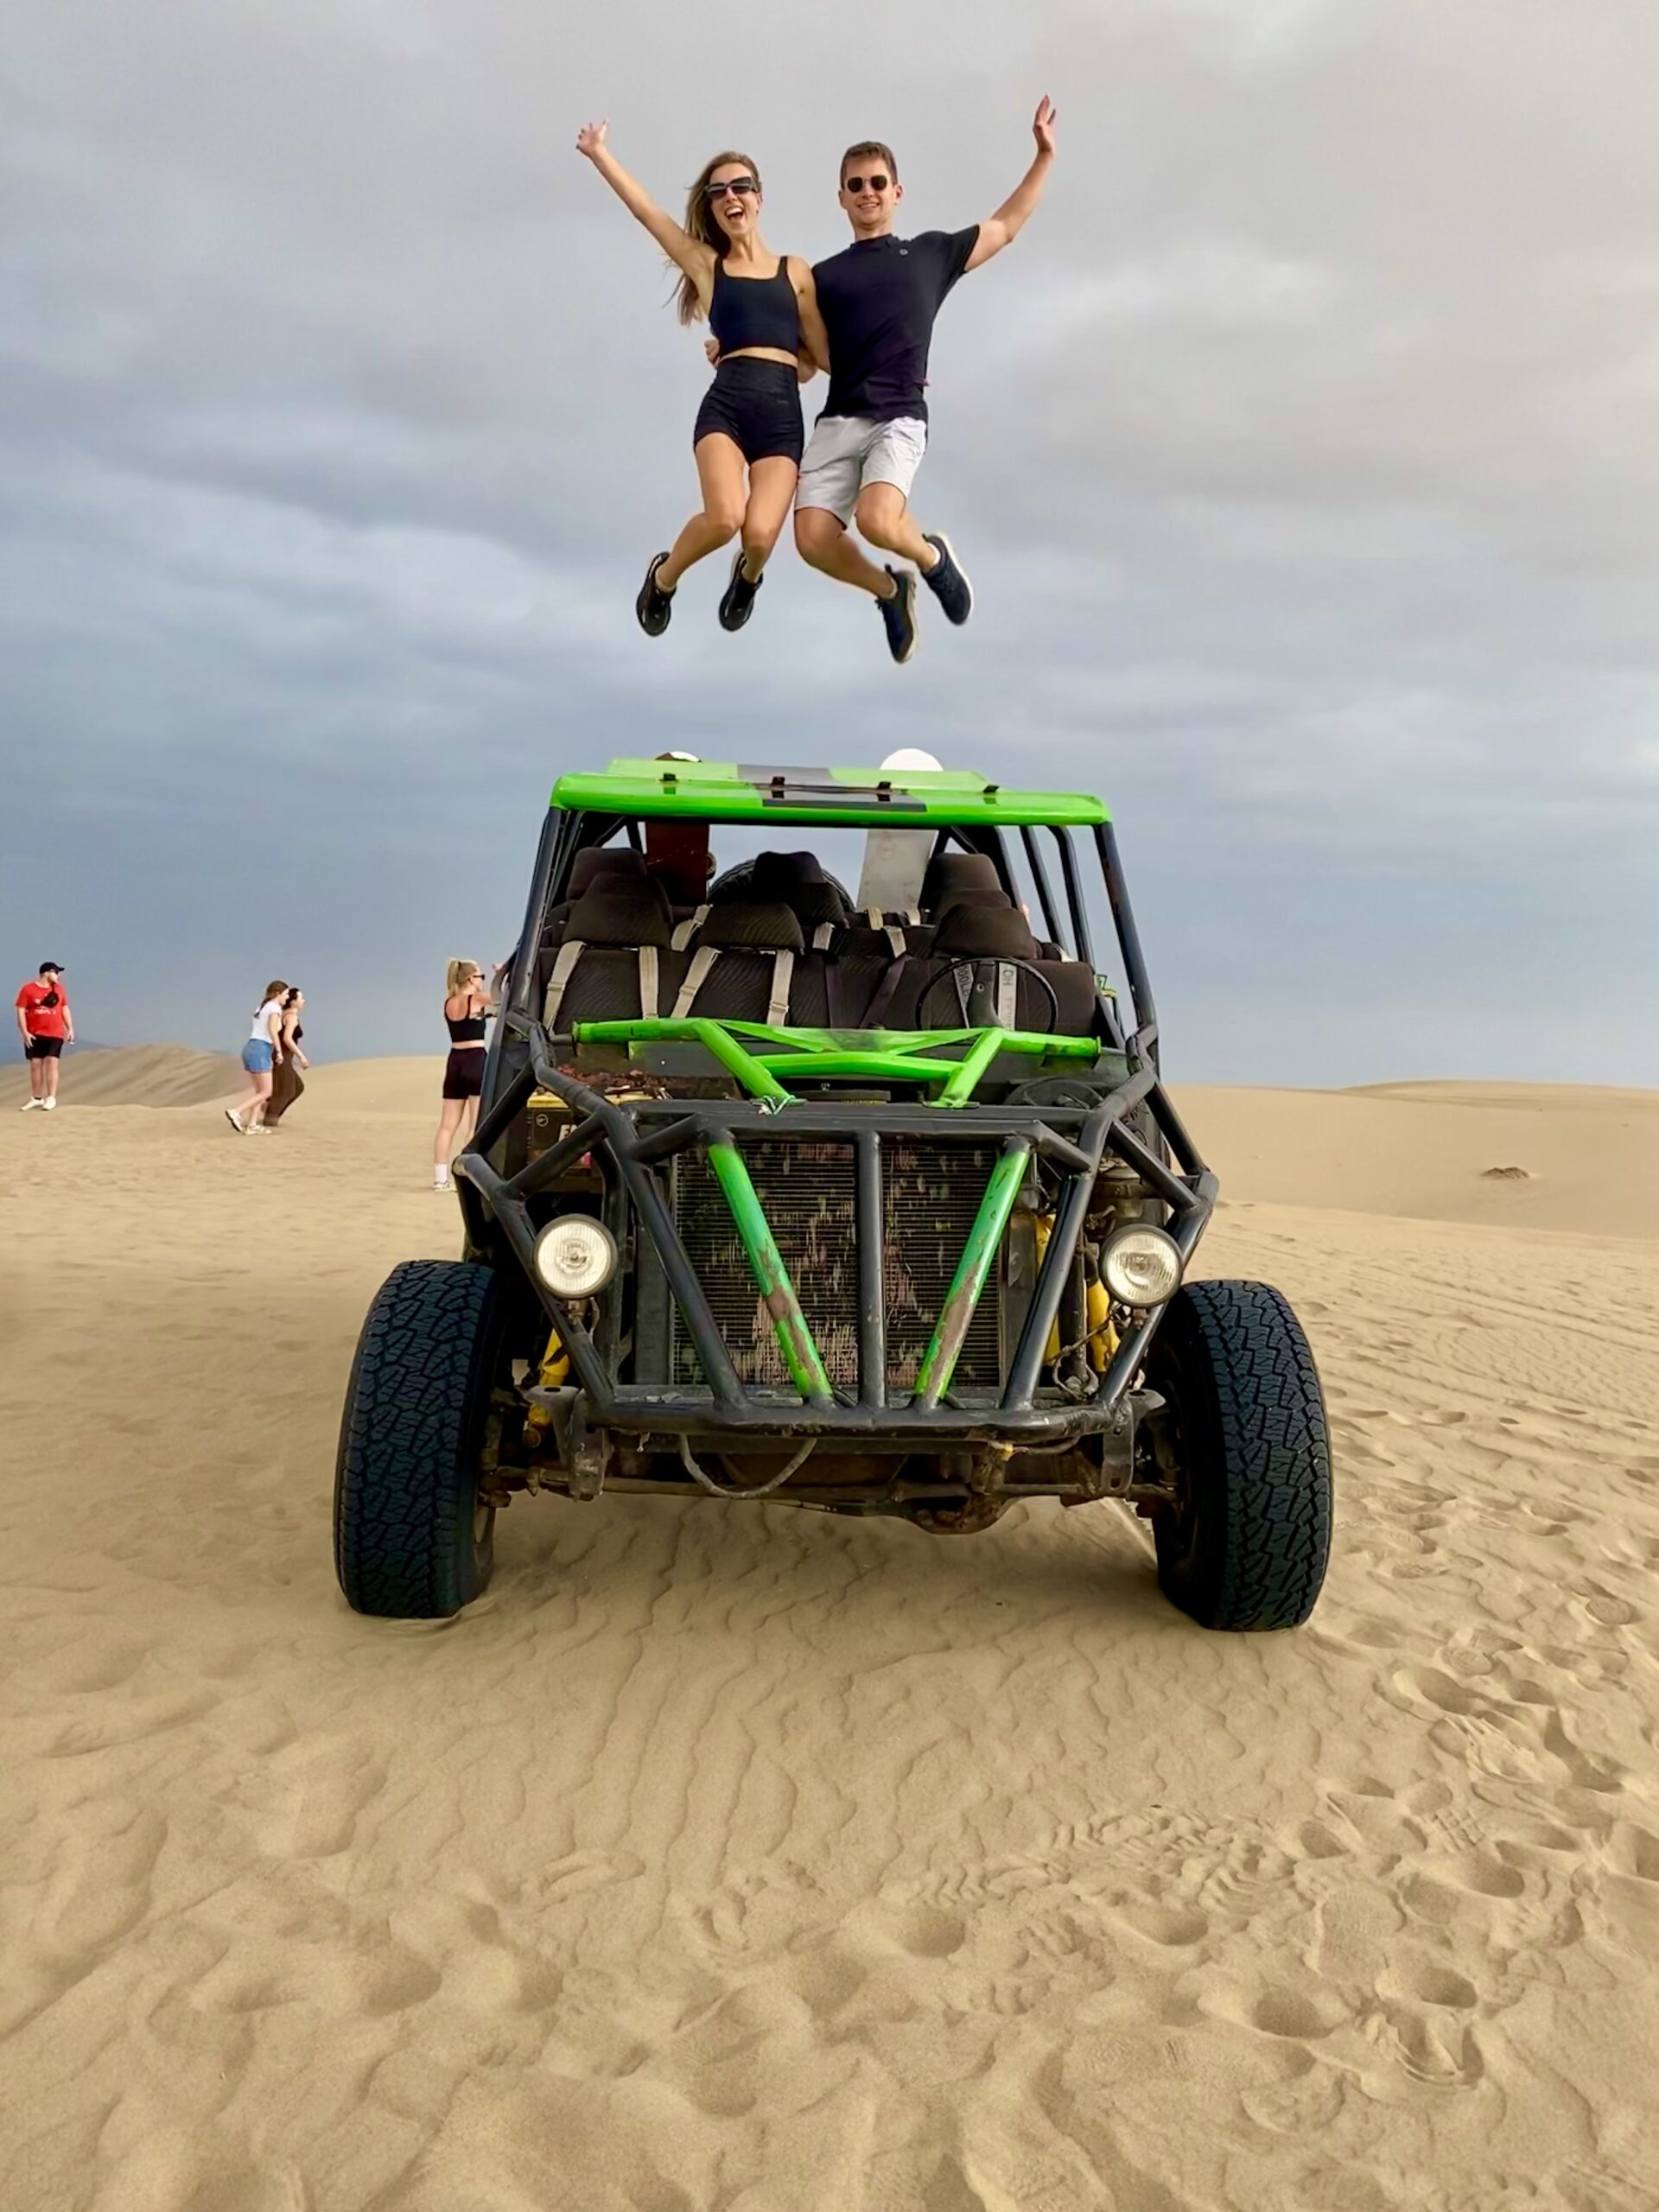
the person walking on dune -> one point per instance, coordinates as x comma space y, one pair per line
45, 1025
879, 298
768, 336
259, 1057
287, 1081
465, 1009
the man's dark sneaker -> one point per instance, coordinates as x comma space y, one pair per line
899, 614
946, 581
739, 598
654, 607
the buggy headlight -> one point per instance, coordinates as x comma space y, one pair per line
575, 1255
1141, 1266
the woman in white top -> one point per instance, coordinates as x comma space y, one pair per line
259, 1057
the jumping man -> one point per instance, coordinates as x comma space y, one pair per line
879, 298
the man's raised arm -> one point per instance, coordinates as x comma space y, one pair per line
1002, 228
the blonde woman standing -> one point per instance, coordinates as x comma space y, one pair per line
259, 1057
465, 1009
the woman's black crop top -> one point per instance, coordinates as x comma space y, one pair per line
748, 311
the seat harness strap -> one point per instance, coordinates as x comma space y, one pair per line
650, 982
563, 968
703, 962
783, 973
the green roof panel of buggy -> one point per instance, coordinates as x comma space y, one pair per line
858, 798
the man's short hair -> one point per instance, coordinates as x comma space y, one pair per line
864, 151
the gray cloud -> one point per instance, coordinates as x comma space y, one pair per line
1303, 449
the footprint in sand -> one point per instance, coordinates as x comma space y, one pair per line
928, 1933
1175, 1927
326, 1806
1634, 1851
1434, 2047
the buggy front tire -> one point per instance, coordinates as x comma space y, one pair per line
413, 1539
1247, 1544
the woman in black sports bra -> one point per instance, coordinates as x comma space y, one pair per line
763, 308
465, 1009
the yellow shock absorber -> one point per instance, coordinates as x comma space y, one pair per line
1044, 1225
1103, 1336
555, 1368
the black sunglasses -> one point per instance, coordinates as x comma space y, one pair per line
738, 184
877, 183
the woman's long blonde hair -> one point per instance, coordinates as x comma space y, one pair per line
701, 224
455, 974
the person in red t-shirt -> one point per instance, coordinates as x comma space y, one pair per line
45, 1025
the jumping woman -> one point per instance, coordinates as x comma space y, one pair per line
465, 1009
763, 309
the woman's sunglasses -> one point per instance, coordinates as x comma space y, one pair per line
742, 185
858, 183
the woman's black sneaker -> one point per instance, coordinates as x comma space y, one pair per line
739, 598
654, 606
899, 614
946, 581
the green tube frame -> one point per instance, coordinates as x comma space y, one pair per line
824, 1055
795, 1338
939, 1361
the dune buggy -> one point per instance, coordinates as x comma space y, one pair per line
864, 1196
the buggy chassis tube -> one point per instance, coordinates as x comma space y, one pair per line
726, 1407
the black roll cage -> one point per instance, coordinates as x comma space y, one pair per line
634, 1139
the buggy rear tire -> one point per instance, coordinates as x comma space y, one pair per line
412, 1539
1248, 1545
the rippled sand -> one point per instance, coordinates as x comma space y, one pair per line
744, 1859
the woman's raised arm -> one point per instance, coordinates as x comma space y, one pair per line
687, 253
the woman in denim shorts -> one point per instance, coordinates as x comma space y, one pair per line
259, 1057
763, 309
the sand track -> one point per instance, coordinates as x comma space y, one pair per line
752, 1860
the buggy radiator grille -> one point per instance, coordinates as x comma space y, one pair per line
931, 1194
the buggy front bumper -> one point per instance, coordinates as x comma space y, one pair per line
632, 1143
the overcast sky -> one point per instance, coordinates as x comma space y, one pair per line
1303, 451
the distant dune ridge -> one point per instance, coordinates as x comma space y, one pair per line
724, 1855
133, 1075
1587, 1158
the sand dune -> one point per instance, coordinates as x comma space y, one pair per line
1580, 1158
134, 1075
1589, 1157
743, 1859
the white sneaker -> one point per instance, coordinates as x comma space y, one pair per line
48, 1105
441, 1183
29, 1104
240, 1126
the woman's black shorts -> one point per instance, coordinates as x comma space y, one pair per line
463, 1072
758, 405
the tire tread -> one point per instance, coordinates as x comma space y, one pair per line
410, 1415
1274, 1541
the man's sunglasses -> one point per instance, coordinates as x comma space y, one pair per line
877, 183
742, 185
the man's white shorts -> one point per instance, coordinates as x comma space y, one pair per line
847, 452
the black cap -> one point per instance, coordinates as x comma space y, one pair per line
56, 967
